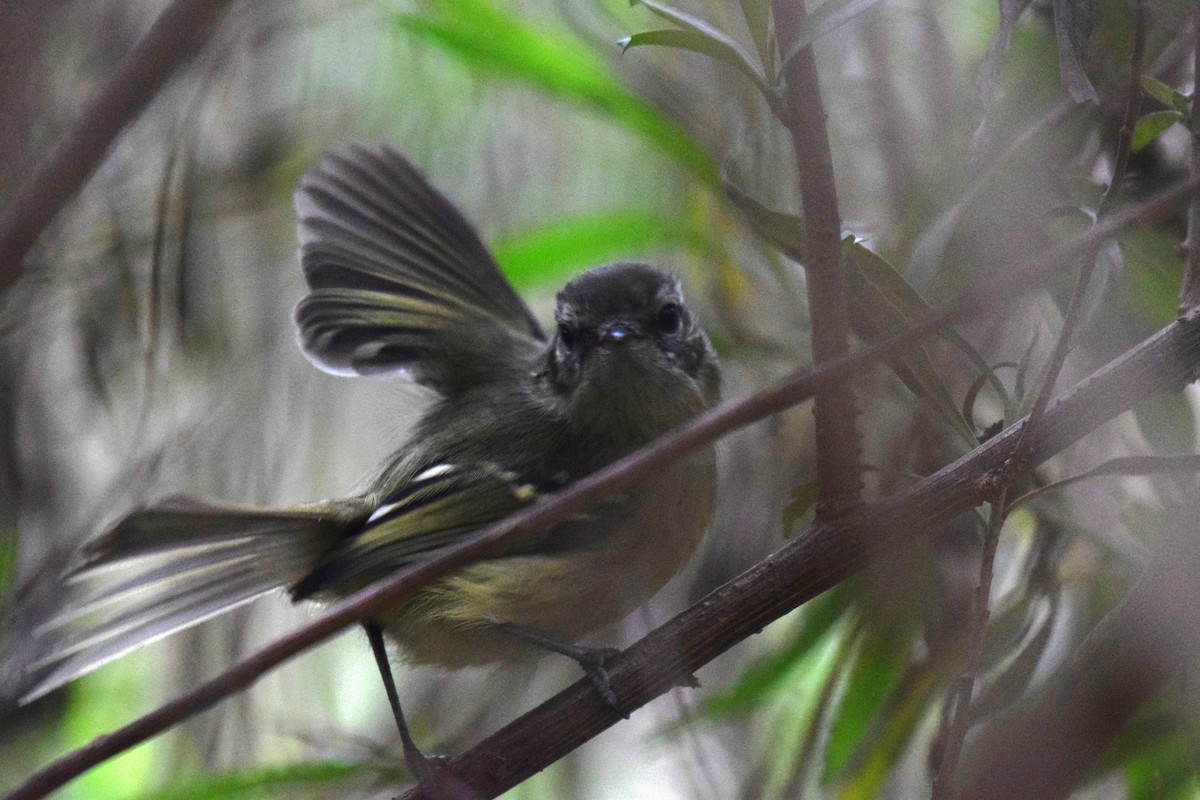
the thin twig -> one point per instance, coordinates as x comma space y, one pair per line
1164, 351
1045, 746
1190, 296
1133, 104
964, 689
838, 441
177, 33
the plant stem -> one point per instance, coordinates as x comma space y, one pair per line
838, 441
1189, 298
943, 779
177, 33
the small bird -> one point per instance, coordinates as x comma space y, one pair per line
401, 283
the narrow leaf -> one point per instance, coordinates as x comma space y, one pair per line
1012, 682
1127, 466
1171, 98
763, 678
892, 304
1010, 12
550, 252
727, 52
1151, 126
758, 20
556, 62
891, 733
262, 782
785, 231
877, 668
1073, 22
830, 16
800, 499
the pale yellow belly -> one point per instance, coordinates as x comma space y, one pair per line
566, 595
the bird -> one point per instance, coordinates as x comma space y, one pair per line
399, 283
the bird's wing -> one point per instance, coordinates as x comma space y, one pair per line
399, 280
440, 507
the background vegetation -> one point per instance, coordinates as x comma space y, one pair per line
147, 350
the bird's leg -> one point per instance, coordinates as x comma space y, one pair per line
430, 774
591, 659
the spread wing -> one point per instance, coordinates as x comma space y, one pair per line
438, 508
399, 280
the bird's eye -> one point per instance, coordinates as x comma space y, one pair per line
566, 335
668, 319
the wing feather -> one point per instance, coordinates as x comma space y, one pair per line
399, 280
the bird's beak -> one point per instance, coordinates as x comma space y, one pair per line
616, 333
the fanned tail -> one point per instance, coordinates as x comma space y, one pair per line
171, 566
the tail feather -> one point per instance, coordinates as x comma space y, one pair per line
172, 566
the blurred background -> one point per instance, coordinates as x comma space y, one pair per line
147, 350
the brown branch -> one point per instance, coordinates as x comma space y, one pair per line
620, 475
1133, 105
961, 698
838, 442
959, 703
1189, 298
816, 561
172, 39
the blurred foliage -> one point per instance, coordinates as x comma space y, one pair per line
148, 351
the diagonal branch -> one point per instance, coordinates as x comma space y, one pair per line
1071, 320
177, 33
834, 558
817, 561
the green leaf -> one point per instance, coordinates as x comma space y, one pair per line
1151, 126
880, 272
1171, 98
1168, 422
551, 252
1015, 677
1162, 766
1141, 466
784, 231
891, 733
1153, 273
280, 781
829, 16
8, 556
883, 295
485, 38
1010, 12
757, 14
766, 677
684, 20
800, 499
890, 305
874, 673
728, 51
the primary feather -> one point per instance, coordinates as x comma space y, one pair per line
169, 567
400, 281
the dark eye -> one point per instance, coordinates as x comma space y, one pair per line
566, 335
668, 319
